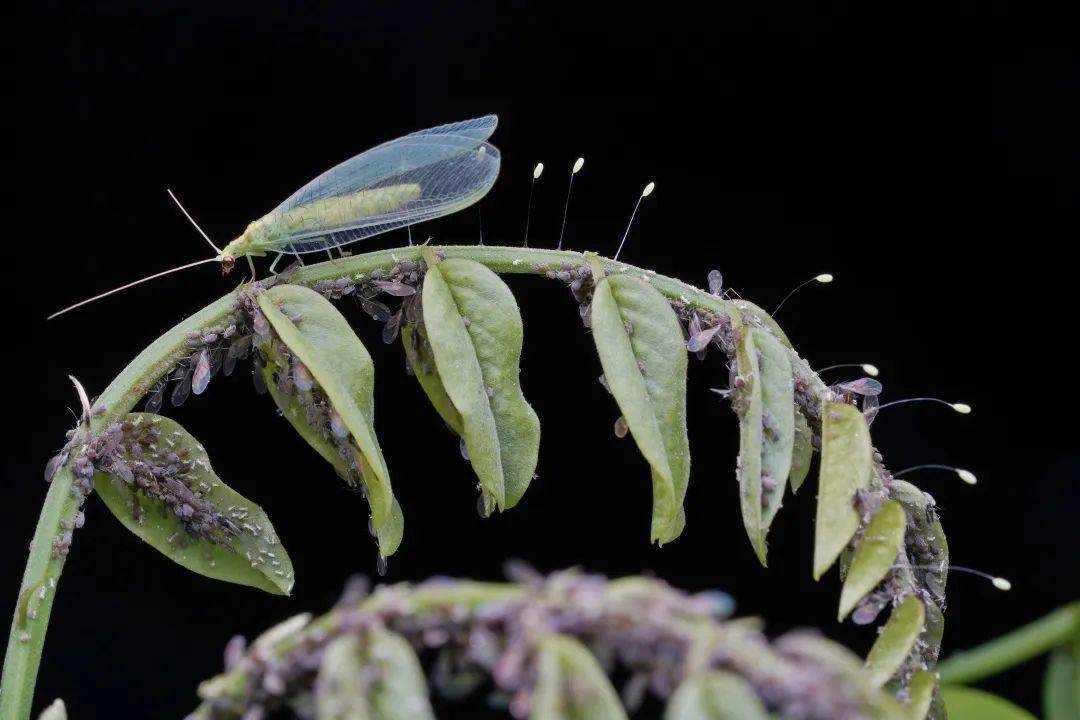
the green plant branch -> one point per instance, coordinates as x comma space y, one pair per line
661, 635
1058, 628
157, 360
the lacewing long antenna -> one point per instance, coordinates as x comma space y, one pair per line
192, 221
822, 278
644, 194
131, 284
537, 172
578, 164
965, 475
867, 368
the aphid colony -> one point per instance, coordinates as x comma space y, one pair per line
501, 642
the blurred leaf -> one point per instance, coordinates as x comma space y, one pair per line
161, 472
765, 404
896, 640
921, 694
875, 554
715, 695
374, 677
641, 347
845, 467
343, 371
400, 691
341, 691
963, 703
802, 452
422, 362
570, 685
1061, 685
475, 333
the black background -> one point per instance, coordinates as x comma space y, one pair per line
926, 158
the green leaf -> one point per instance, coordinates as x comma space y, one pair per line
341, 691
845, 467
1061, 685
875, 554
475, 333
642, 351
920, 694
802, 452
964, 703
422, 362
766, 409
344, 376
159, 472
570, 685
715, 695
896, 640
400, 692
375, 677
56, 711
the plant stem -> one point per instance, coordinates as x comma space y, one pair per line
1013, 648
43, 567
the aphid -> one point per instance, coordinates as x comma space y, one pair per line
201, 377
621, 428
578, 164
646, 192
391, 328
182, 390
302, 376
716, 283
337, 425
54, 464
863, 386
463, 449
418, 177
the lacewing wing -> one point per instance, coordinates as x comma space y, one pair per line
418, 177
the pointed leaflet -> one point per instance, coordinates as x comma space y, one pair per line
570, 685
875, 554
374, 677
641, 347
802, 452
845, 467
896, 640
474, 329
160, 485
422, 362
766, 408
715, 695
336, 393
964, 703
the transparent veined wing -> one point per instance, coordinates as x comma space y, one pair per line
418, 177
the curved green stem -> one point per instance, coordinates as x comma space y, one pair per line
43, 566
1058, 628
